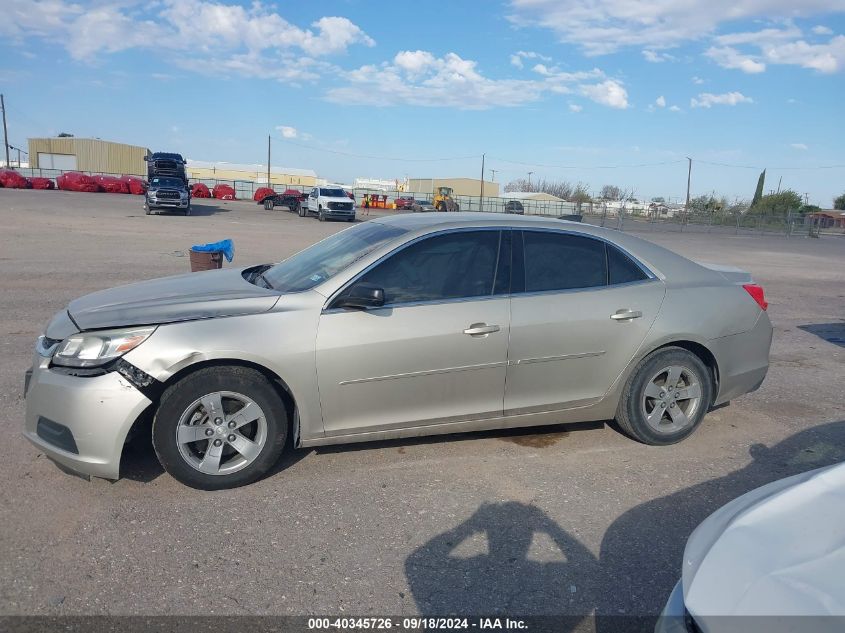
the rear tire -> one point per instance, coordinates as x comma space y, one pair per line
188, 413
666, 397
268, 205
303, 211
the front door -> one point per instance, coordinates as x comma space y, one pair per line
435, 352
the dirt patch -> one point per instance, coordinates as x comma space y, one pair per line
536, 440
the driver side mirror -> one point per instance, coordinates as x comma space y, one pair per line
361, 296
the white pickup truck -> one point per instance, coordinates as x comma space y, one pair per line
331, 202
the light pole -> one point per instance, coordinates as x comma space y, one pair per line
529, 180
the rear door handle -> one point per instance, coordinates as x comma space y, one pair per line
626, 315
481, 329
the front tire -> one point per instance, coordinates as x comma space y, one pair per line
666, 397
320, 216
220, 427
147, 209
268, 205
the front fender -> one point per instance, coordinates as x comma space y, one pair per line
281, 341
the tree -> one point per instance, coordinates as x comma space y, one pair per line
783, 202
659, 200
809, 208
758, 192
65, 135
839, 203
611, 192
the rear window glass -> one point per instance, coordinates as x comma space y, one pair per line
559, 261
621, 269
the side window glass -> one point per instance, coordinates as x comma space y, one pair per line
560, 261
450, 266
621, 269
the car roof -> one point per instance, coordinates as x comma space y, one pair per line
663, 262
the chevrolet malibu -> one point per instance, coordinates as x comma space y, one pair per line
413, 325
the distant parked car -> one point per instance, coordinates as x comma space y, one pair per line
167, 193
772, 557
404, 202
514, 206
331, 203
403, 326
422, 206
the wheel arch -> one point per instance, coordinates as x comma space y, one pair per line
143, 422
694, 347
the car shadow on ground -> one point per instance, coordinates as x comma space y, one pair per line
831, 332
535, 436
639, 560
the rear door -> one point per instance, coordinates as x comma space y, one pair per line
435, 352
582, 311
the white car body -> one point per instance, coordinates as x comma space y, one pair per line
776, 553
326, 204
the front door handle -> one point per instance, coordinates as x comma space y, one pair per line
481, 329
626, 315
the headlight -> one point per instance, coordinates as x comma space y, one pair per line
93, 349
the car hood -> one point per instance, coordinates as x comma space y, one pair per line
777, 550
188, 297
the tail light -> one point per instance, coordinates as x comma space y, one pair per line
757, 294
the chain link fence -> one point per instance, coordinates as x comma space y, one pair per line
614, 214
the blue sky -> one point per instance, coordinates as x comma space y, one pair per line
599, 91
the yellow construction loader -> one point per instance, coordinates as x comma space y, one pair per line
443, 200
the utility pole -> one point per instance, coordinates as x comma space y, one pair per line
779, 181
268, 162
481, 196
689, 177
5, 133
529, 180
493, 171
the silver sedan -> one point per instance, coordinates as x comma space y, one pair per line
414, 325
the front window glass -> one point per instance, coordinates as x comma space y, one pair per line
450, 266
333, 193
166, 182
324, 260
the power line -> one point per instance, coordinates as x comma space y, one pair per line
707, 162
402, 159
514, 162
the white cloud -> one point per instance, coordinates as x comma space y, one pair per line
604, 26
799, 146
423, 79
674, 108
660, 102
287, 131
574, 107
203, 29
777, 46
518, 57
610, 93
728, 57
822, 30
655, 58
708, 99
697, 80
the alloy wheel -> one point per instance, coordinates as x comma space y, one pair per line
671, 399
221, 433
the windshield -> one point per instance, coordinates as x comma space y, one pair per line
325, 259
333, 193
166, 182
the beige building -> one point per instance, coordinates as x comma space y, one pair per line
204, 170
88, 155
460, 186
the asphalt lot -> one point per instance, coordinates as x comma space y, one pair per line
562, 520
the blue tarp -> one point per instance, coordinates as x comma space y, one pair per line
227, 247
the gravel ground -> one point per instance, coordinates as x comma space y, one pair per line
562, 520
